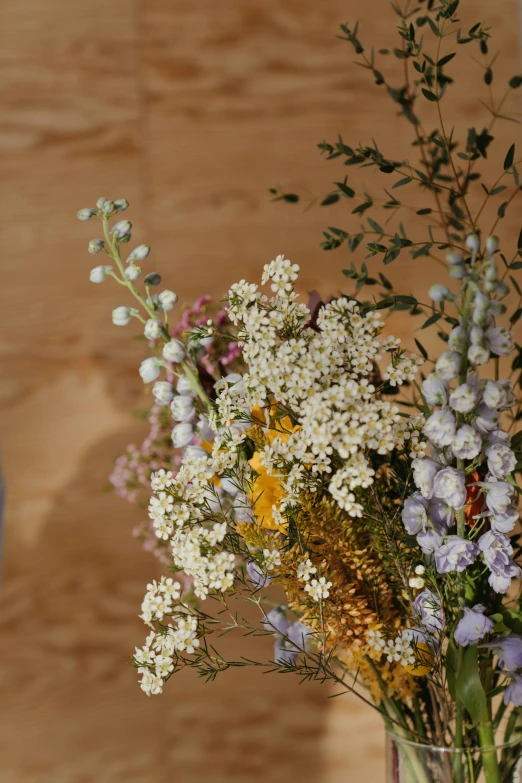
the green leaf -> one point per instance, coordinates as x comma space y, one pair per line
331, 198
426, 211
469, 687
515, 285
502, 209
388, 168
516, 316
515, 82
498, 189
446, 59
422, 251
375, 226
421, 348
432, 320
391, 255
429, 94
434, 28
510, 157
402, 182
488, 76
386, 283
347, 191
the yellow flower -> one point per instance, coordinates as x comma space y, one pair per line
267, 492
424, 659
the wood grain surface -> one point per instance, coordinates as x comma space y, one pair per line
191, 109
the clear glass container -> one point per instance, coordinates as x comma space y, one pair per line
411, 762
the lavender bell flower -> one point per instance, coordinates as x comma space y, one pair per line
509, 651
440, 427
501, 460
497, 550
474, 625
277, 621
435, 390
513, 692
450, 486
467, 443
424, 472
428, 608
504, 523
288, 649
499, 495
455, 554
258, 578
414, 514
448, 365
464, 398
430, 541
487, 419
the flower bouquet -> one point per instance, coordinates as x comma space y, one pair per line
361, 497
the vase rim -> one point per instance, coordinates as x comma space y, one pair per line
445, 749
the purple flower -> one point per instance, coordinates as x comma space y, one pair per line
428, 608
430, 541
498, 394
501, 460
474, 625
487, 419
448, 365
440, 427
467, 443
499, 495
499, 341
455, 554
277, 621
497, 550
513, 691
259, 579
424, 472
295, 642
464, 398
504, 523
450, 485
414, 516
509, 651
440, 514
435, 390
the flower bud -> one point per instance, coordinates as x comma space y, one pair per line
106, 206
121, 316
95, 246
86, 214
150, 369
174, 351
457, 271
99, 273
167, 300
438, 293
121, 204
491, 245
152, 279
122, 229
454, 257
501, 289
182, 408
184, 386
152, 330
473, 243
139, 253
182, 434
163, 392
132, 272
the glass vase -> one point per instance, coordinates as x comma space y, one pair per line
411, 762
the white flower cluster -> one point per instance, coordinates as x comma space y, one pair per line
160, 600
318, 589
398, 649
321, 373
155, 660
